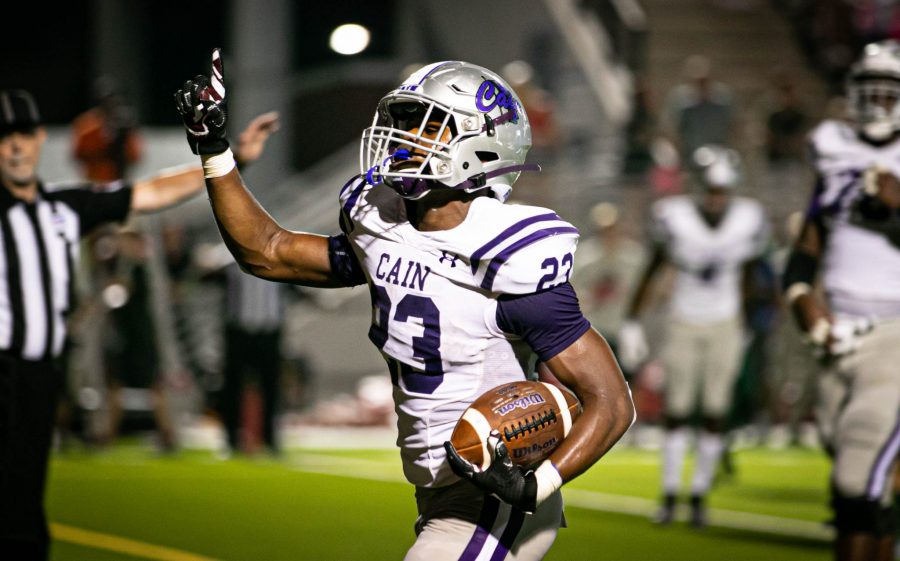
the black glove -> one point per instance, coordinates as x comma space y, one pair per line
503, 479
201, 104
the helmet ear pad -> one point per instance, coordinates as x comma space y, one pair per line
478, 154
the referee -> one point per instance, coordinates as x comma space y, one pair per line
39, 233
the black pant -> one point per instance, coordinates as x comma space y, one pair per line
28, 397
257, 352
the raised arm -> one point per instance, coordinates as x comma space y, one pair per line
259, 244
175, 185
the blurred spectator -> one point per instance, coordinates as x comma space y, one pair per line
665, 173
104, 138
711, 240
254, 315
699, 111
130, 342
607, 270
787, 122
640, 131
539, 105
178, 261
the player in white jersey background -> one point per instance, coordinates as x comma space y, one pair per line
711, 238
852, 233
464, 289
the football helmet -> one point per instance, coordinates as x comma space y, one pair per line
717, 167
873, 91
451, 125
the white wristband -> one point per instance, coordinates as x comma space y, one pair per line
548, 481
217, 165
819, 332
796, 290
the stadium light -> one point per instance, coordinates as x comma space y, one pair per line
349, 39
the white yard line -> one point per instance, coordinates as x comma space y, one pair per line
357, 468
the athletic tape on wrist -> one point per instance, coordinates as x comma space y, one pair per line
797, 290
217, 165
818, 334
548, 481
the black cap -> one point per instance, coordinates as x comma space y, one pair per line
18, 111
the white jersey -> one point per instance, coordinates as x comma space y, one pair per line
861, 266
709, 260
434, 306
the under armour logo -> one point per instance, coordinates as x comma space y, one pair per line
449, 257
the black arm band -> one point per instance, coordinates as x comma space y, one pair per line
344, 264
801, 268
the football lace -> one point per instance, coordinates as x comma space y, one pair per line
536, 422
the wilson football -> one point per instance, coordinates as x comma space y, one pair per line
533, 418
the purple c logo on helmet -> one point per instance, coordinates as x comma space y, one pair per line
491, 94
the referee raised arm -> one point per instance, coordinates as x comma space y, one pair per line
39, 234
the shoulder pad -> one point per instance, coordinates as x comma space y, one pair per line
349, 198
664, 213
534, 252
830, 137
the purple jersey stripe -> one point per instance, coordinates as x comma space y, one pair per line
488, 282
516, 519
486, 520
411, 88
505, 234
354, 196
878, 476
347, 185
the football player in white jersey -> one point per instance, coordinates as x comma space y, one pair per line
464, 289
852, 230
711, 240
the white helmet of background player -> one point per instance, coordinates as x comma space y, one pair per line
873, 90
717, 167
488, 139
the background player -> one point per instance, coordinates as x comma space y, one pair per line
710, 242
853, 228
463, 289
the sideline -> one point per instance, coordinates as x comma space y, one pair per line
97, 540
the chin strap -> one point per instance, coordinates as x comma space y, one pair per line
480, 180
415, 187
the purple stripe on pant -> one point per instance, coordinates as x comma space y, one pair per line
516, 519
485, 522
878, 476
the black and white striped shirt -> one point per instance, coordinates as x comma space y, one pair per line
39, 253
254, 304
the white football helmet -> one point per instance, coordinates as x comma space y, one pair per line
873, 90
717, 166
488, 138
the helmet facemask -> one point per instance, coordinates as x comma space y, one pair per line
873, 91
409, 146
874, 106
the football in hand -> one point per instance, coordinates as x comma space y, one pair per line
883, 185
533, 418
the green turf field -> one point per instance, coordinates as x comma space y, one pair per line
346, 505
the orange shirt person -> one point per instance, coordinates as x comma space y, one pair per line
104, 138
